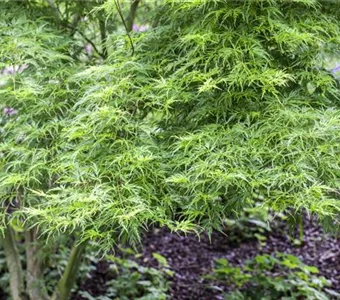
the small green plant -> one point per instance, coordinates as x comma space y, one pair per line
133, 281
250, 224
282, 276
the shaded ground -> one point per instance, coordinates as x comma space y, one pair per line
190, 258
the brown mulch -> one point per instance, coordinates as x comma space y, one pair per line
190, 258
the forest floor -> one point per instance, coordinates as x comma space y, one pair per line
190, 258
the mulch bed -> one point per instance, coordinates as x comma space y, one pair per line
190, 258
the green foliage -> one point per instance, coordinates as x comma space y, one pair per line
252, 223
41, 97
282, 276
223, 104
133, 281
236, 112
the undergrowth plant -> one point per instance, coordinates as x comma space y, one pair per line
217, 106
280, 276
134, 281
251, 224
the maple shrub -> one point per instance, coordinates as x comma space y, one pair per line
219, 105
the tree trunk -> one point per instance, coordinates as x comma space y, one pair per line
16, 279
34, 278
102, 28
69, 276
132, 14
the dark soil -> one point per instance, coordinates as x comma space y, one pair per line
191, 258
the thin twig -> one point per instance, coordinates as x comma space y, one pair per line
124, 23
74, 29
86, 39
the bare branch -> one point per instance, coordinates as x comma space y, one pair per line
119, 9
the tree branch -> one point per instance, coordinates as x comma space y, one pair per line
132, 14
86, 39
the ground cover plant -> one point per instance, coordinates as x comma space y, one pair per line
261, 280
131, 280
112, 124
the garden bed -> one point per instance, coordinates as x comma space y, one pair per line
191, 258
